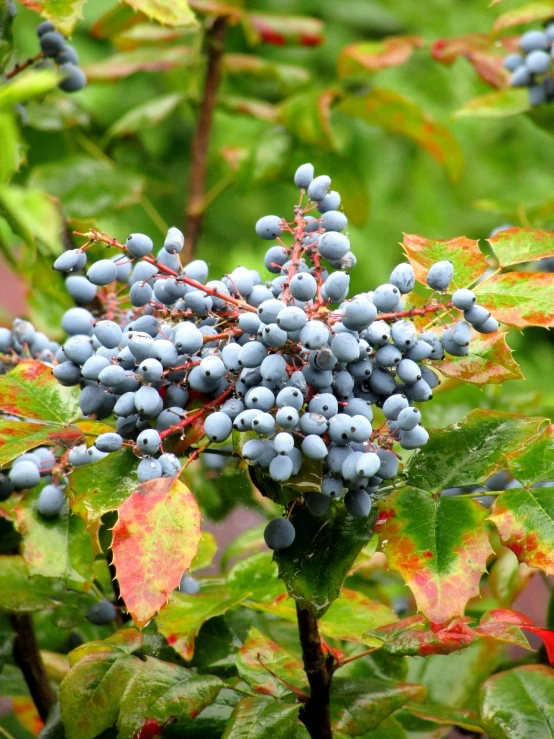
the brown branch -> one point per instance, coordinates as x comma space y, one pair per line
215, 39
27, 657
431, 308
20, 67
316, 712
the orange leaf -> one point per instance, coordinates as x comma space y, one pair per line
489, 361
155, 539
469, 263
374, 55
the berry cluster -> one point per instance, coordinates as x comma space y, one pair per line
532, 68
27, 471
23, 341
54, 46
290, 362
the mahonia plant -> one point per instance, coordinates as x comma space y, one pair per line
317, 394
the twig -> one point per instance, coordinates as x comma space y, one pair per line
27, 657
215, 39
354, 657
20, 67
240, 690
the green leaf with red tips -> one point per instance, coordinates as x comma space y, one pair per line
361, 704
103, 486
482, 53
155, 539
525, 522
468, 260
160, 690
540, 10
413, 637
64, 14
59, 547
258, 653
374, 55
400, 115
519, 299
259, 718
125, 641
256, 577
18, 437
446, 716
352, 615
489, 362
536, 462
181, 619
517, 703
120, 66
31, 391
439, 545
469, 451
498, 104
517, 245
287, 30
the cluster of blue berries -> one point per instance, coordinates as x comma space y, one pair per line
23, 341
54, 46
532, 67
29, 470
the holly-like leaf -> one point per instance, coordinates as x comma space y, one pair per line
181, 619
315, 565
144, 116
258, 653
64, 14
517, 704
525, 522
91, 692
257, 718
125, 641
520, 299
498, 104
468, 261
469, 451
517, 245
17, 437
440, 547
540, 10
88, 187
120, 66
446, 716
60, 547
375, 55
353, 615
489, 362
161, 690
27, 85
361, 704
393, 112
168, 12
536, 462
103, 486
505, 626
286, 30
256, 577
413, 637
155, 539
31, 391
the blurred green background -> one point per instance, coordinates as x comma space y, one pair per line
390, 184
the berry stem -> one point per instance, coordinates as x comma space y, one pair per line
197, 414
24, 65
432, 308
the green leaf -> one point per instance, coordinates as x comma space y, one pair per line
258, 653
27, 85
180, 620
30, 390
535, 11
446, 716
536, 462
307, 116
468, 261
284, 79
469, 451
361, 704
125, 641
489, 362
118, 18
517, 704
525, 522
88, 187
161, 690
60, 547
144, 116
352, 615
64, 14
168, 12
375, 55
498, 104
519, 299
315, 565
18, 437
103, 486
256, 577
147, 34
33, 215
154, 541
440, 547
120, 66
258, 718
517, 245
393, 112
91, 692
56, 113
11, 146
6, 36
247, 542
207, 549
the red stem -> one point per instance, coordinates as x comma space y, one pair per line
197, 414
20, 67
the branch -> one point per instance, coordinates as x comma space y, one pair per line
20, 67
27, 657
197, 188
316, 713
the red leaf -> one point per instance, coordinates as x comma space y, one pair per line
547, 637
375, 55
150, 729
155, 539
